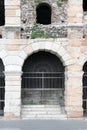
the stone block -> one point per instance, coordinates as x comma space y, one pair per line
3, 54
15, 60
13, 83
12, 21
12, 2
12, 68
12, 95
13, 88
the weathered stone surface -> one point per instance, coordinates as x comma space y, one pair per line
69, 25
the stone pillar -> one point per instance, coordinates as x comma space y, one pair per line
74, 71
75, 19
12, 19
74, 91
12, 95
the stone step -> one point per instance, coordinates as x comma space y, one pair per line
41, 109
40, 106
41, 112
43, 116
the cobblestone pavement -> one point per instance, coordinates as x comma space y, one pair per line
43, 125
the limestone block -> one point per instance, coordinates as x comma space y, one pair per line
12, 2
12, 112
3, 54
15, 7
84, 50
9, 35
28, 50
15, 60
13, 83
18, 12
75, 67
75, 20
75, 74
70, 62
41, 46
55, 48
12, 103
66, 57
12, 95
62, 51
75, 33
75, 2
84, 42
75, 42
76, 114
13, 68
8, 115
13, 76
75, 11
10, 12
35, 46
13, 88
22, 54
48, 45
13, 21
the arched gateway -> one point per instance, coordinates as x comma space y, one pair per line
43, 84
43, 80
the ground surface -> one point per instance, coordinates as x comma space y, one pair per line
43, 125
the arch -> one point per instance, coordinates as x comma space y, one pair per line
2, 88
42, 79
43, 14
48, 46
2, 13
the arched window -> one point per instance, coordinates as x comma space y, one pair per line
84, 5
2, 13
2, 88
43, 14
43, 80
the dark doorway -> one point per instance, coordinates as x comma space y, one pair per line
43, 13
2, 88
85, 89
43, 79
84, 5
2, 13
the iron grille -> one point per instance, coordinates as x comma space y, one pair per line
2, 91
43, 88
85, 93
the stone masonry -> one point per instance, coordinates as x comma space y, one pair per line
16, 45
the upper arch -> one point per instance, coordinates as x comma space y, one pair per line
52, 47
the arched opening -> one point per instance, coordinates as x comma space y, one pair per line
43, 14
85, 89
43, 80
2, 13
84, 5
2, 88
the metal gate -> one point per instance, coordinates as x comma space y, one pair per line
85, 93
43, 88
2, 92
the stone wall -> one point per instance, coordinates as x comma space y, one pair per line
71, 50
28, 17
14, 52
51, 31
28, 11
